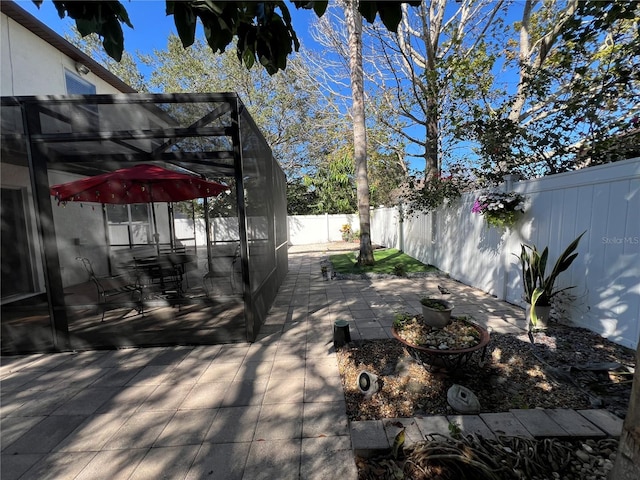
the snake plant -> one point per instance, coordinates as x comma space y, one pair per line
539, 288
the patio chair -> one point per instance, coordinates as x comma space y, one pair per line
165, 249
105, 294
220, 271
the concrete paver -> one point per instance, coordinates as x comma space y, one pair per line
327, 457
604, 420
274, 459
538, 423
505, 424
575, 424
271, 409
393, 426
471, 424
433, 425
367, 436
220, 461
59, 465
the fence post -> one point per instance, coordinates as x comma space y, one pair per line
400, 228
326, 217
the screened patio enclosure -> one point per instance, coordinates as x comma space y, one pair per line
78, 275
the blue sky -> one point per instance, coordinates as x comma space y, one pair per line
151, 26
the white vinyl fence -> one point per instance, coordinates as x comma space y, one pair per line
604, 201
308, 229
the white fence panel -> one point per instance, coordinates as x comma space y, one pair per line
387, 227
308, 229
222, 230
604, 201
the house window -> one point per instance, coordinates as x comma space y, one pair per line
129, 224
84, 117
77, 85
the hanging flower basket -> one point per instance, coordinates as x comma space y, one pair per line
499, 209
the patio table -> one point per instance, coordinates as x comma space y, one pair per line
162, 273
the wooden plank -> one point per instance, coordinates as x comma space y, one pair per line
538, 423
605, 420
505, 424
436, 424
575, 424
472, 424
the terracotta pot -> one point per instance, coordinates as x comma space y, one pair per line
543, 313
437, 318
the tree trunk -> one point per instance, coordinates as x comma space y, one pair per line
627, 465
432, 163
354, 28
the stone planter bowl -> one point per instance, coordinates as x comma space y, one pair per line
435, 317
451, 358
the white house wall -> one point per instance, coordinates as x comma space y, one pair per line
79, 233
31, 66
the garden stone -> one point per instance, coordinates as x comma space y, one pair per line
462, 399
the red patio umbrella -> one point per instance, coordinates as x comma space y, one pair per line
140, 184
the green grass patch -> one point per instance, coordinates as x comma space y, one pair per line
388, 260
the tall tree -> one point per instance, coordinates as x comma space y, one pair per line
333, 184
432, 68
354, 27
577, 99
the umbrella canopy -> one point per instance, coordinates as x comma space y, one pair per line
139, 184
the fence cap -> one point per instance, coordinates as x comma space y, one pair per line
341, 323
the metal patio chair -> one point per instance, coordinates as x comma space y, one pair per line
225, 264
105, 294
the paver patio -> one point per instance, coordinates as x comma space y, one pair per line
272, 409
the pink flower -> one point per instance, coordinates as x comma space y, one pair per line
477, 207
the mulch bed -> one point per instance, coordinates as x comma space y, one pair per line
568, 367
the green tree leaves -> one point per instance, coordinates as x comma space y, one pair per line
103, 18
263, 30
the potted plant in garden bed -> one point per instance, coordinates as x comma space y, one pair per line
435, 312
451, 346
540, 288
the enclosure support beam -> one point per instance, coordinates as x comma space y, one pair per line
44, 219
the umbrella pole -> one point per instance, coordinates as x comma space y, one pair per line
207, 228
156, 236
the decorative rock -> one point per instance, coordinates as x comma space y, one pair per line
582, 455
587, 448
462, 399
